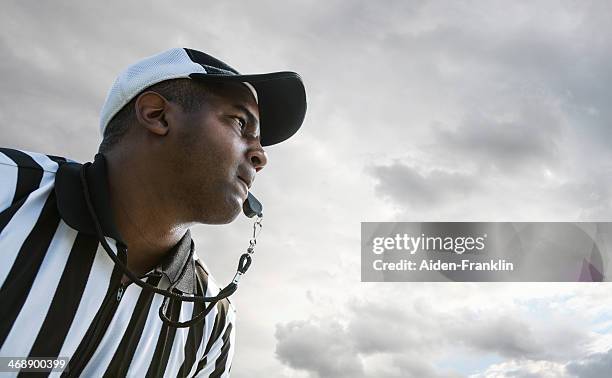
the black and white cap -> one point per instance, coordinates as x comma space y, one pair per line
280, 95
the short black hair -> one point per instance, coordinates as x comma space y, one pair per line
190, 95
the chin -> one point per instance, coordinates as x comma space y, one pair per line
230, 217
224, 214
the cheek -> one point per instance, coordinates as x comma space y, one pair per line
215, 151
224, 142
222, 151
207, 140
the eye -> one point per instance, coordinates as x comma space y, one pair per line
241, 122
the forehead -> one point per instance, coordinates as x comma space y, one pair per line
234, 93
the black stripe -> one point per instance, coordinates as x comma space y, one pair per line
97, 327
66, 299
216, 331
196, 332
222, 359
220, 318
18, 283
29, 176
157, 368
124, 353
57, 159
9, 213
201, 365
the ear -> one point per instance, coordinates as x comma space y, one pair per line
151, 109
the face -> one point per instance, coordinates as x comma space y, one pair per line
216, 154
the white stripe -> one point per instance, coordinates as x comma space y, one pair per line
9, 174
20, 226
211, 290
44, 161
27, 325
148, 340
177, 353
93, 296
232, 340
110, 342
215, 352
8, 181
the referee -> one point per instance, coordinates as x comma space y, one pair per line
97, 265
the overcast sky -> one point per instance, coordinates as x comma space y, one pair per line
417, 111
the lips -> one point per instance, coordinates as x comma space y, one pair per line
247, 183
247, 177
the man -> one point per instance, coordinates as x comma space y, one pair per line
182, 141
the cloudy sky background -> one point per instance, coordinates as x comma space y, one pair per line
418, 111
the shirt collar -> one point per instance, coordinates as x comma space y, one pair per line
177, 266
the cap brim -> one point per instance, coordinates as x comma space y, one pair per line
282, 102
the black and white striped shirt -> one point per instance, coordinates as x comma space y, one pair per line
61, 294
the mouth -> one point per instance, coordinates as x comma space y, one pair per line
246, 183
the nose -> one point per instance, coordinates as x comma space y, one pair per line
258, 158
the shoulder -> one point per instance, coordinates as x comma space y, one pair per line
16, 159
24, 172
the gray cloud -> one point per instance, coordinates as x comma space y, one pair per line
591, 190
405, 185
520, 339
330, 349
527, 99
327, 349
382, 328
594, 366
524, 369
528, 138
322, 348
375, 328
412, 365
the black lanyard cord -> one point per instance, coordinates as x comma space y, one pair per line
243, 266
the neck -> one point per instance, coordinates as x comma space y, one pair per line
147, 224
